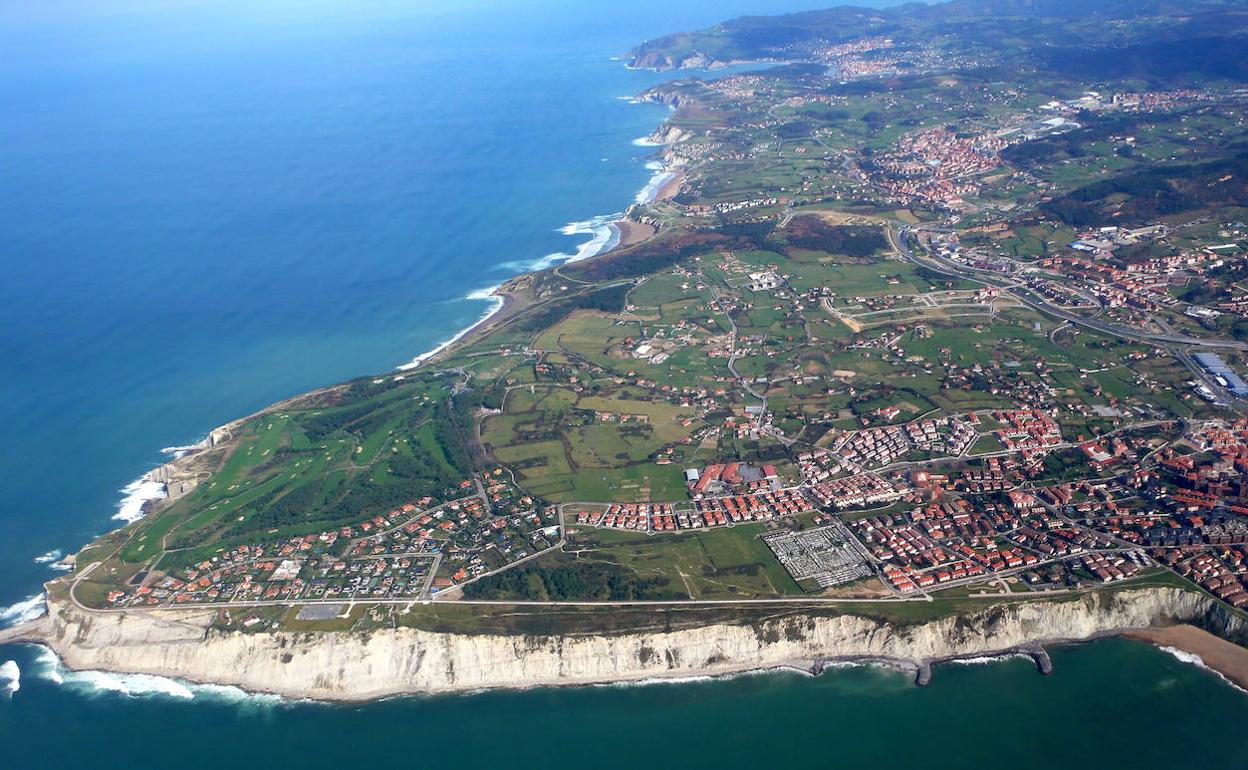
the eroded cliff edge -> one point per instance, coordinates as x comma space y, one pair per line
371, 664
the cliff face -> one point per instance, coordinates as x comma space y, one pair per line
658, 58
359, 665
668, 135
672, 95
651, 60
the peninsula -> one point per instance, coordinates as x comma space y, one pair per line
931, 347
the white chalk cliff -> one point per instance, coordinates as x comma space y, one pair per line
369, 664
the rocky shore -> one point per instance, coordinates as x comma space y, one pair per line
362, 665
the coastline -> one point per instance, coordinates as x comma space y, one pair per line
633, 232
506, 301
671, 187
1199, 647
621, 231
609, 233
346, 666
919, 671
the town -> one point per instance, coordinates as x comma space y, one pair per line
893, 332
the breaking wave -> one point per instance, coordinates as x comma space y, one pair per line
23, 611
661, 177
650, 681
135, 495
656, 680
178, 451
92, 682
10, 677
1195, 660
985, 659
603, 236
487, 294
51, 558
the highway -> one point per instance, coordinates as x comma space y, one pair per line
953, 270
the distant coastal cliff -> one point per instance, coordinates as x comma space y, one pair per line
371, 664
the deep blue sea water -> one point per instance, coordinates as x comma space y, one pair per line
208, 206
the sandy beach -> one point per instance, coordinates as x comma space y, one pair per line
632, 232
1229, 660
671, 187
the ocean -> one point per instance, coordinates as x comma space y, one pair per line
1115, 703
209, 206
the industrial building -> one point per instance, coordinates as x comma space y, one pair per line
1225, 376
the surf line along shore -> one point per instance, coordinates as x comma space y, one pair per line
180, 474
407, 659
509, 298
622, 231
1227, 659
160, 643
148, 642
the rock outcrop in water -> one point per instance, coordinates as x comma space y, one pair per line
375, 663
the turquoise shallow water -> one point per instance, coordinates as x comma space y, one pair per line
205, 207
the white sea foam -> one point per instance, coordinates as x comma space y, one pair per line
178, 451
985, 659
23, 611
1195, 660
651, 681
49, 666
487, 294
53, 560
1185, 656
700, 678
127, 684
661, 177
10, 677
135, 495
47, 558
878, 664
836, 664
91, 682
603, 236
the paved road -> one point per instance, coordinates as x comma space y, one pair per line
689, 603
734, 355
898, 242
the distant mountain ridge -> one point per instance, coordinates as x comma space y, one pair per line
1029, 24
